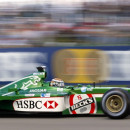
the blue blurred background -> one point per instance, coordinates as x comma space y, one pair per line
80, 41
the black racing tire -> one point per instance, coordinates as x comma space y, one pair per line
115, 103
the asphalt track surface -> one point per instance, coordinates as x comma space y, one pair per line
34, 122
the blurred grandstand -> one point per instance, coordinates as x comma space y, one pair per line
74, 23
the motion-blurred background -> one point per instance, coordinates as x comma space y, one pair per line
80, 41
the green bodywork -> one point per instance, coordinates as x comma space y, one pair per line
34, 85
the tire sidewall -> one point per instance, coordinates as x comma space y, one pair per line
124, 110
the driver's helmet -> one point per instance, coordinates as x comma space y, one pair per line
57, 82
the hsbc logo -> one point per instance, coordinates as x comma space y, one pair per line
29, 104
38, 104
50, 104
47, 104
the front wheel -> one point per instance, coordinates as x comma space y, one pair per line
115, 103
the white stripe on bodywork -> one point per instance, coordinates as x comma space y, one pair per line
7, 94
97, 95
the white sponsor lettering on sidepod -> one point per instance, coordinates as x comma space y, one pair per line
83, 89
59, 89
30, 95
45, 95
37, 90
55, 104
90, 89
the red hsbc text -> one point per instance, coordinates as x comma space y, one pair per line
82, 103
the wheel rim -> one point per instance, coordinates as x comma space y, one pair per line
114, 103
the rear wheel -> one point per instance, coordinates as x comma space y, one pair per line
115, 103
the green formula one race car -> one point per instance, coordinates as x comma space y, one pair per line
32, 94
